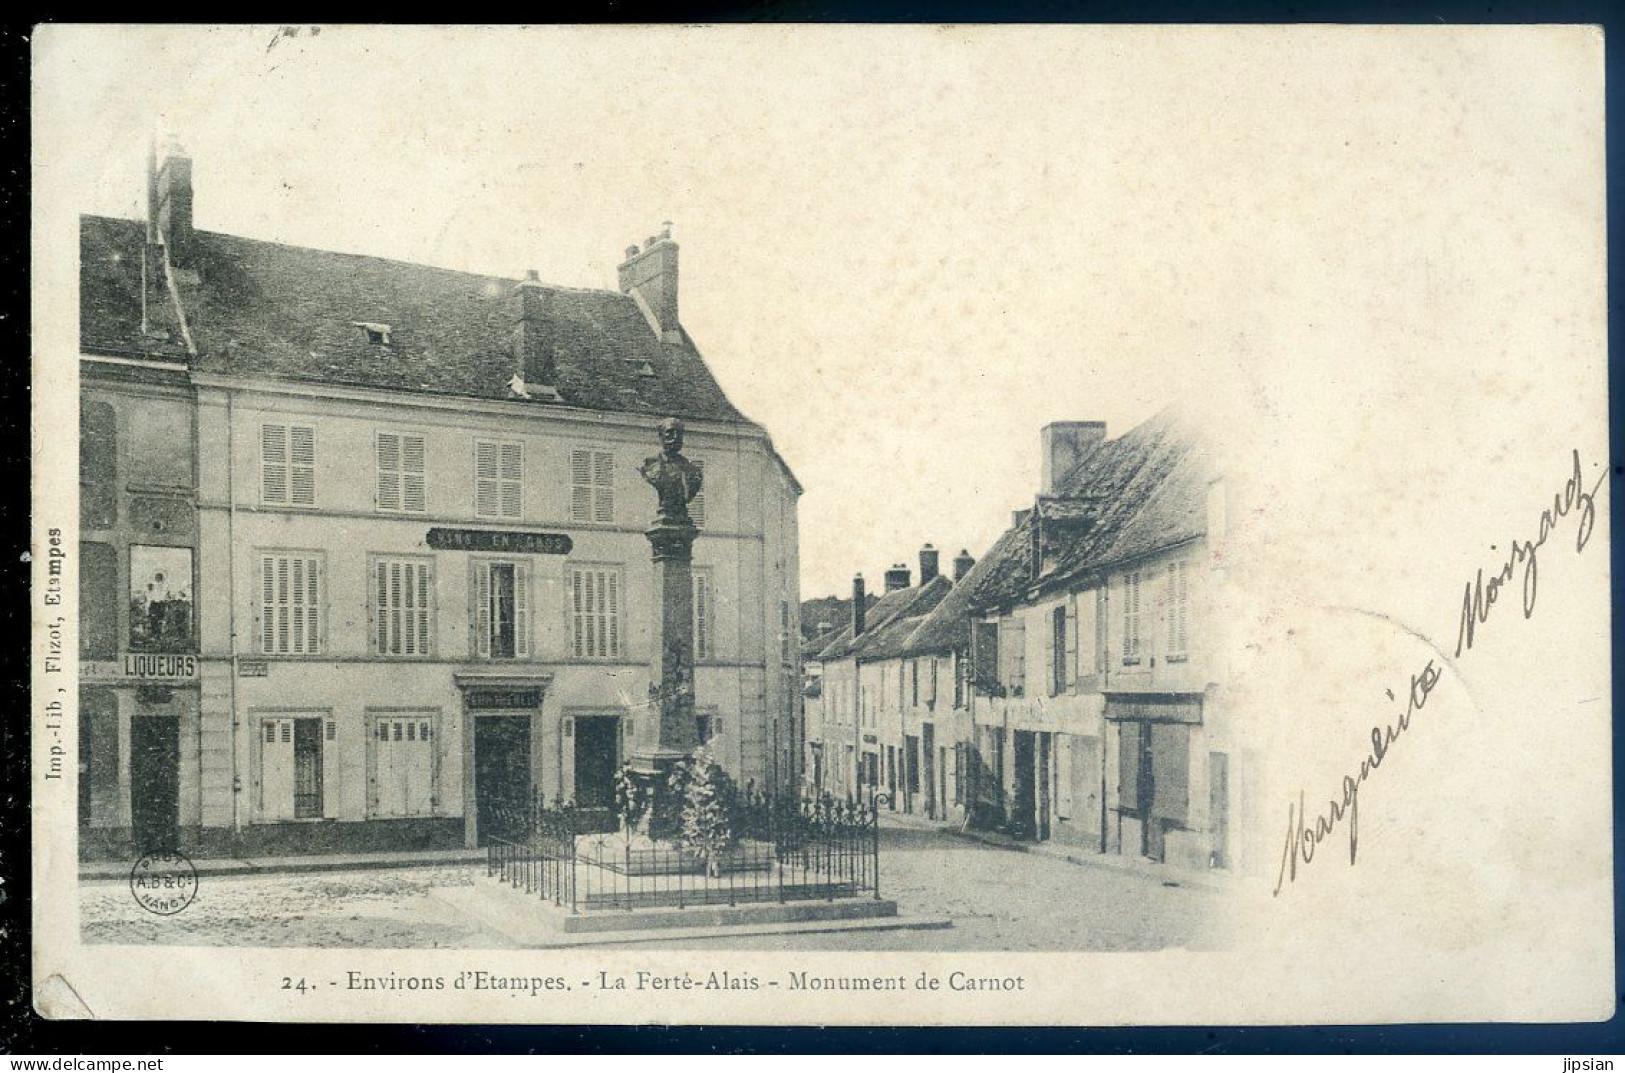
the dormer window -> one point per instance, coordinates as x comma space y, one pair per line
377, 334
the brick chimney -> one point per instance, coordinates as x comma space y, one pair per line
860, 607
897, 577
962, 564
169, 202
928, 564
650, 277
1065, 443
533, 345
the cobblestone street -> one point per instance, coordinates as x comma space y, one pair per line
996, 898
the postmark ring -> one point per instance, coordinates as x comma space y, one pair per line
163, 882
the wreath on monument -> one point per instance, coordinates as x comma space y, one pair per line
631, 798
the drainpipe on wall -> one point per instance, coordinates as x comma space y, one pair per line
231, 617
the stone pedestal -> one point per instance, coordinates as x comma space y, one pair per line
667, 732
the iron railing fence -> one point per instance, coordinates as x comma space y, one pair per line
781, 850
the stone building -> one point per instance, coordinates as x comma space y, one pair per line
409, 497
1067, 679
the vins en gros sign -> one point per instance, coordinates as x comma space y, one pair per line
499, 540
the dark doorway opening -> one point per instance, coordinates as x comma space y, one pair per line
155, 784
1024, 799
597, 756
501, 774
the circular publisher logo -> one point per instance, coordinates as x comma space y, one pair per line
163, 883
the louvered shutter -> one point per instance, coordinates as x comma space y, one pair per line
521, 610
1072, 639
702, 616
302, 465
423, 597
603, 508
267, 604
381, 608
414, 492
482, 609
696, 506
274, 463
512, 481
580, 485
1047, 643
487, 480
612, 611
577, 612
389, 471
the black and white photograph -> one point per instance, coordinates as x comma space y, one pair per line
848, 525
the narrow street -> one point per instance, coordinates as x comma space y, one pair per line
997, 899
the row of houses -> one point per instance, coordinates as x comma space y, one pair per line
362, 543
1065, 686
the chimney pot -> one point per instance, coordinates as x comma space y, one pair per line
532, 276
1065, 443
860, 609
651, 277
170, 213
929, 561
962, 564
897, 577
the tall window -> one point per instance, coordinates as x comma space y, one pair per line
291, 769
786, 652
595, 612
400, 473
704, 613
160, 598
1178, 607
288, 465
499, 474
1131, 617
401, 607
290, 592
592, 486
98, 465
696, 506
401, 756
501, 609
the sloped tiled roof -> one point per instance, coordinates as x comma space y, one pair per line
1143, 491
1001, 570
886, 641
270, 310
890, 606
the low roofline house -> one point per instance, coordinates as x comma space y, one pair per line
1095, 719
405, 504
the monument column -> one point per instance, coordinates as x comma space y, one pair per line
668, 732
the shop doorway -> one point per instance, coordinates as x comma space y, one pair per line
1024, 798
155, 784
598, 739
501, 774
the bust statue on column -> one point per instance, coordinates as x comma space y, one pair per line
676, 480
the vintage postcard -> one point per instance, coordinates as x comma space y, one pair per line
821, 525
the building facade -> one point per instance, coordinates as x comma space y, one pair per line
1082, 703
422, 586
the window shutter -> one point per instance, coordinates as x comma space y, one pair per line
302, 464
576, 612
380, 608
696, 506
414, 493
267, 604
389, 471
274, 463
1072, 645
580, 485
1048, 686
1170, 761
702, 616
423, 597
604, 490
482, 609
513, 473
487, 481
521, 610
